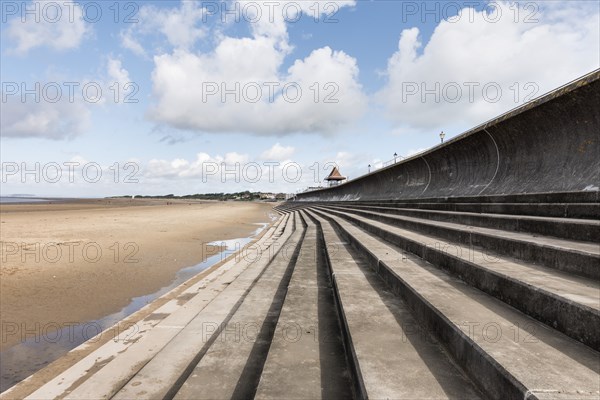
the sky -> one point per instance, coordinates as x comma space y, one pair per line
181, 97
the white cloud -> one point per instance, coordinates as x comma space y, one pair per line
78, 159
350, 165
376, 163
204, 166
234, 172
59, 25
129, 42
346, 160
328, 98
57, 113
117, 86
116, 72
182, 27
60, 120
248, 67
278, 153
563, 45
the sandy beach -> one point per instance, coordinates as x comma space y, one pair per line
78, 261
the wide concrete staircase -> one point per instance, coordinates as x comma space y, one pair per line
507, 286
474, 298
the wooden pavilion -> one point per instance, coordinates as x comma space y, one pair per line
335, 178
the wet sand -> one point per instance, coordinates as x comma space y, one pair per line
67, 263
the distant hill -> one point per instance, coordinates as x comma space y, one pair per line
239, 196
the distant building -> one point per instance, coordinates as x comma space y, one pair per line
335, 178
267, 196
280, 196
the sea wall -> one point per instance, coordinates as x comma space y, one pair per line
546, 146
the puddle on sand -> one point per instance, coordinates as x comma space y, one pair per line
23, 359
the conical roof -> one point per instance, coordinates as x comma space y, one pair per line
335, 175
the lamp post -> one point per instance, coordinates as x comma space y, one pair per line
442, 136
369, 168
395, 155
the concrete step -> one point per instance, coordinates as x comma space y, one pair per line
549, 197
566, 228
284, 208
166, 372
508, 354
580, 258
572, 197
565, 302
555, 210
63, 381
306, 358
232, 365
109, 377
390, 356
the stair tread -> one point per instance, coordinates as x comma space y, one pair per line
578, 289
575, 221
223, 371
109, 379
570, 210
539, 359
306, 359
539, 240
394, 360
480, 204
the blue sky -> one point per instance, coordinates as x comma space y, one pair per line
399, 72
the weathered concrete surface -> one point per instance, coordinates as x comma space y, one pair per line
392, 358
574, 229
576, 257
547, 146
503, 365
306, 359
161, 376
540, 208
565, 302
231, 367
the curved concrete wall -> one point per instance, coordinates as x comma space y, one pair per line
546, 146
